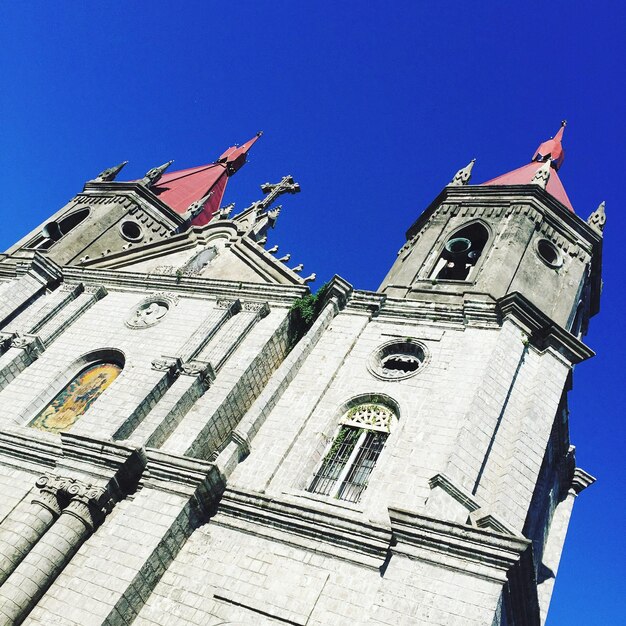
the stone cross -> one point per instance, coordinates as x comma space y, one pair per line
286, 185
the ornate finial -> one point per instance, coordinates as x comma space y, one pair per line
273, 249
152, 176
597, 219
195, 208
284, 259
224, 212
310, 278
274, 213
109, 174
542, 175
552, 150
462, 177
298, 268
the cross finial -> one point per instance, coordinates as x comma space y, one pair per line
273, 191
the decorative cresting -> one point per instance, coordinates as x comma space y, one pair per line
151, 310
74, 399
370, 416
84, 507
398, 360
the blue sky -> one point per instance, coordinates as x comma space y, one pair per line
372, 107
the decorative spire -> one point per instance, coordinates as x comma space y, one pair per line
152, 176
597, 219
542, 175
462, 177
109, 174
195, 208
235, 156
552, 150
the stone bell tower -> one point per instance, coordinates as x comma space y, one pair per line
189, 436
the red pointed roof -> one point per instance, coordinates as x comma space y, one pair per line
524, 175
549, 150
180, 189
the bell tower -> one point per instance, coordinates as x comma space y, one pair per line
517, 233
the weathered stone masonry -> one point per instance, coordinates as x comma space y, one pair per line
257, 456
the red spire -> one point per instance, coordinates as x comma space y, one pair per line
235, 156
549, 150
180, 189
552, 149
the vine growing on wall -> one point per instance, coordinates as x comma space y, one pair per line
306, 309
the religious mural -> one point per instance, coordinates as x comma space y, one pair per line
74, 400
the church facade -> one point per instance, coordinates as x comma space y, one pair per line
188, 436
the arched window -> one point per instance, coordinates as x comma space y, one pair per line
75, 398
461, 253
348, 463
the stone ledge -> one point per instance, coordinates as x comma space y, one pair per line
474, 551
304, 525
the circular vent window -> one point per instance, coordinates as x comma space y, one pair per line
397, 360
548, 253
131, 231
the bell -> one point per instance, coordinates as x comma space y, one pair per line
457, 248
52, 231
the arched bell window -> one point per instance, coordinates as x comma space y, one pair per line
73, 401
461, 253
352, 455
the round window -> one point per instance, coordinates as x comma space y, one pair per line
397, 360
548, 253
131, 231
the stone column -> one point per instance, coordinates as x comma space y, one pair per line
27, 523
86, 509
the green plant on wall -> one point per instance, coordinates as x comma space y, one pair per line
306, 309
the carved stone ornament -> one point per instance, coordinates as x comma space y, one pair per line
54, 489
110, 173
262, 308
371, 416
462, 177
151, 311
165, 364
597, 219
542, 175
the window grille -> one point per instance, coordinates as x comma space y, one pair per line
346, 468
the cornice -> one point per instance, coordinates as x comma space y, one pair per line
140, 191
307, 524
543, 332
186, 285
